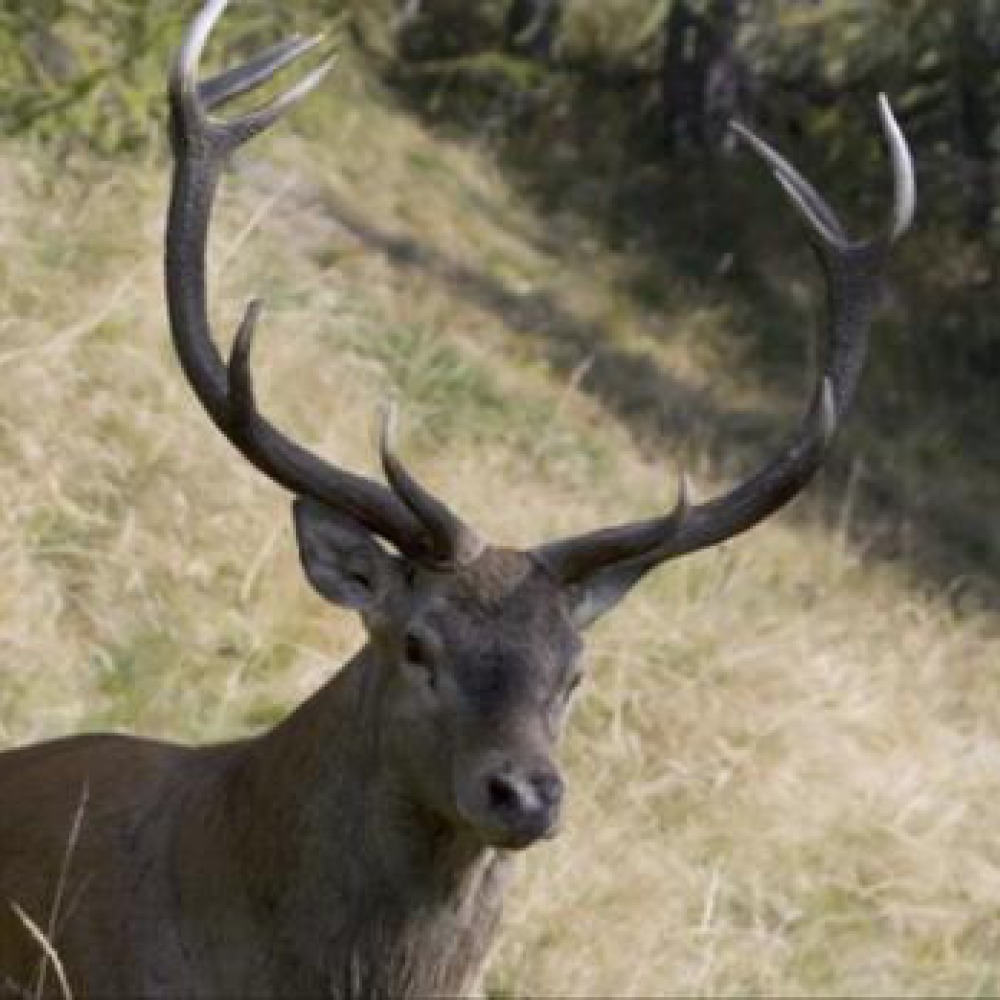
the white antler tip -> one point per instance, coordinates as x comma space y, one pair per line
904, 184
685, 494
827, 410
184, 74
388, 425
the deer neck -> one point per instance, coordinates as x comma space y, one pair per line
333, 848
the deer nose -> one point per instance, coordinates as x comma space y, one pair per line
525, 802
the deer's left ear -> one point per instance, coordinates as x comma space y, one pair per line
341, 558
600, 592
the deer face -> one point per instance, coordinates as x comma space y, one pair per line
478, 665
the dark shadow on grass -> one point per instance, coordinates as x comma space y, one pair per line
590, 153
630, 384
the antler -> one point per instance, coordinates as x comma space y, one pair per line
412, 519
852, 269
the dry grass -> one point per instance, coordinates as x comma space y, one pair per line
786, 765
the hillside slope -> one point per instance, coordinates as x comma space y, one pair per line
785, 764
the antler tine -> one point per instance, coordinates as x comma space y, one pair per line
806, 199
184, 72
193, 100
904, 202
853, 269
242, 401
811, 205
454, 541
573, 559
254, 122
259, 69
201, 144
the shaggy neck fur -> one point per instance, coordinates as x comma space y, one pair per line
359, 892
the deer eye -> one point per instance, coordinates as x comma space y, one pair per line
416, 650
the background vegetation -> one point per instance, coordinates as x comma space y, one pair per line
785, 765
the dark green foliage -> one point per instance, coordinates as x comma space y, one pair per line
76, 71
91, 72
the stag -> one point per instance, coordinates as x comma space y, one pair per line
361, 847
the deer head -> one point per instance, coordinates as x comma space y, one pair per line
476, 647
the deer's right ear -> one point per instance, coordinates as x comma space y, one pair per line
342, 559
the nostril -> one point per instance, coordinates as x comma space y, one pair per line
503, 793
549, 788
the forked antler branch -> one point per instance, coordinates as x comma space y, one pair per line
412, 519
853, 270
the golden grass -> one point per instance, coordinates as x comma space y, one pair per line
786, 764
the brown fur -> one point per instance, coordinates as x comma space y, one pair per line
302, 863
